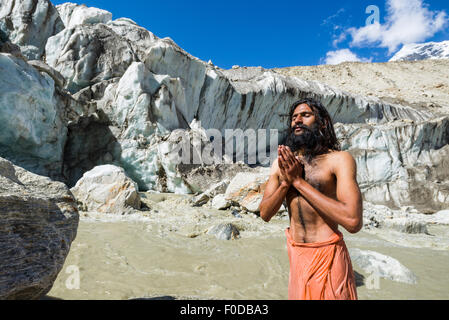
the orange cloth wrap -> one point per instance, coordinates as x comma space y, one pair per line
320, 270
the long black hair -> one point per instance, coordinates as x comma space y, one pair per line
324, 125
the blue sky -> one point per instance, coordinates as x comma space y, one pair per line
286, 33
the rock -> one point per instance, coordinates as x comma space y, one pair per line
107, 189
219, 202
8, 47
39, 221
246, 189
87, 54
73, 15
381, 265
251, 202
200, 178
43, 67
406, 225
224, 231
210, 193
28, 24
440, 217
236, 212
139, 38
389, 156
33, 127
407, 220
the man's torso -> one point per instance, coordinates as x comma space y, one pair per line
306, 225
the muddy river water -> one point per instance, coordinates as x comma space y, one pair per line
167, 253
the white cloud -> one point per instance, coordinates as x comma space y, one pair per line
328, 20
343, 55
407, 21
338, 39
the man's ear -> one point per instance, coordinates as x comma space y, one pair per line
325, 124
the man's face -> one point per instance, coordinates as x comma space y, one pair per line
304, 131
302, 116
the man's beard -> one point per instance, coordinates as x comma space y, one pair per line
311, 140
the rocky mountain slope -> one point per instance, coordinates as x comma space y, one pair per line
423, 85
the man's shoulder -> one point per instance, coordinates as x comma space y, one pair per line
341, 155
341, 158
274, 167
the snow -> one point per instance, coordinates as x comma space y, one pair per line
421, 51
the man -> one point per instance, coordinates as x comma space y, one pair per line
318, 182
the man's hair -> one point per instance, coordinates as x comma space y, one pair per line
322, 116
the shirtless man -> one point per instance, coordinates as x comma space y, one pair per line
318, 183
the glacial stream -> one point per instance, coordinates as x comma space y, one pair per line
168, 253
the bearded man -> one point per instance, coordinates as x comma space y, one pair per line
318, 183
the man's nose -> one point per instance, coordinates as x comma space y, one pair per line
298, 119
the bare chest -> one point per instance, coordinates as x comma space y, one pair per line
319, 176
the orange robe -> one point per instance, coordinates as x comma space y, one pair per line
320, 270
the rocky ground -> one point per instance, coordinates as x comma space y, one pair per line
420, 84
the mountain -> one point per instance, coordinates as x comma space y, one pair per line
422, 51
96, 91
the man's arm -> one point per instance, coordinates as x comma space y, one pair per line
273, 195
348, 210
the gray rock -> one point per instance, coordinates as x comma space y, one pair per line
200, 178
219, 202
33, 127
43, 67
236, 213
9, 47
73, 15
107, 189
211, 192
381, 265
407, 219
246, 189
29, 24
95, 54
39, 221
224, 231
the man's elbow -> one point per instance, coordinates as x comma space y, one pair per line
355, 225
265, 217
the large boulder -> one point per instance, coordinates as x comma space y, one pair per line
29, 24
246, 189
107, 189
38, 222
33, 127
382, 266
